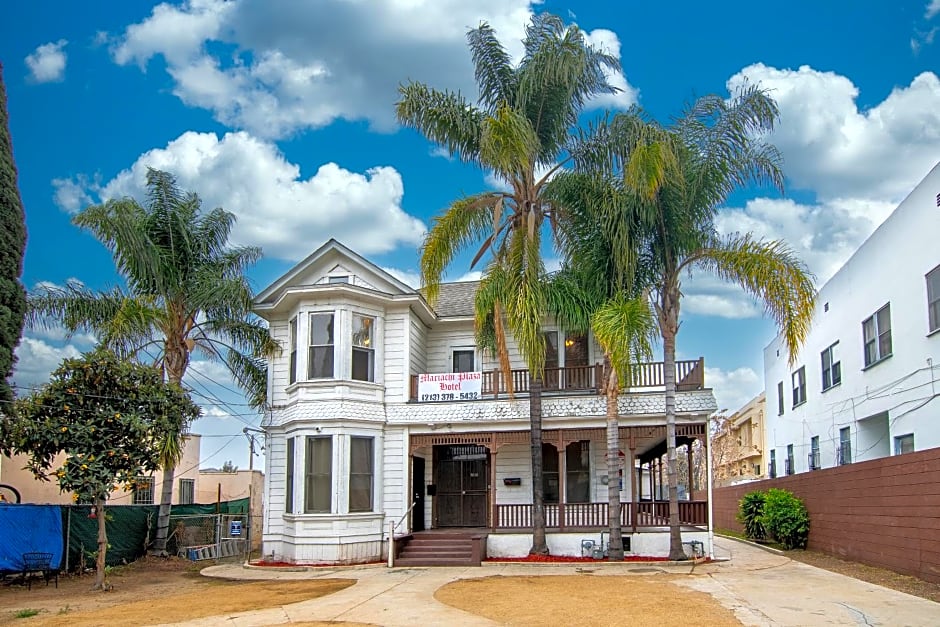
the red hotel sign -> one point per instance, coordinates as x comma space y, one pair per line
449, 386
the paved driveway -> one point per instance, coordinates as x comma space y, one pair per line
761, 588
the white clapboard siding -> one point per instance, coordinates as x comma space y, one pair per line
513, 461
395, 355
279, 365
395, 484
275, 482
418, 346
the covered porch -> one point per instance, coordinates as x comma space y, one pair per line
483, 480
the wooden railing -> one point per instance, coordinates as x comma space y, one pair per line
690, 375
594, 515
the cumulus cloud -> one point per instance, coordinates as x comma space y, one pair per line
933, 8
277, 208
408, 277
734, 388
832, 147
308, 64
71, 194
47, 63
36, 359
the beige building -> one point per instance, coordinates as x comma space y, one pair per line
13, 472
216, 485
739, 444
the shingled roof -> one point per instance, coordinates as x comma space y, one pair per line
455, 300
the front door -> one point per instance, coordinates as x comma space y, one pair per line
462, 479
417, 493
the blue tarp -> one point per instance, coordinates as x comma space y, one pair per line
29, 528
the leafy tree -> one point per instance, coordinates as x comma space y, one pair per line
228, 466
185, 291
677, 178
12, 247
589, 293
521, 130
109, 417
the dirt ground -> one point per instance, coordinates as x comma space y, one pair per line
585, 600
151, 591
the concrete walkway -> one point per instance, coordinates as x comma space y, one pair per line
762, 588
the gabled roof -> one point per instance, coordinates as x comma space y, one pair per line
329, 247
456, 300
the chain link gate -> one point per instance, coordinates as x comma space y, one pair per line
210, 536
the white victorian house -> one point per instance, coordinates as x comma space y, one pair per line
359, 441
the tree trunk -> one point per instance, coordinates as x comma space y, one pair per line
612, 390
669, 327
539, 545
102, 546
163, 514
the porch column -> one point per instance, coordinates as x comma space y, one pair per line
659, 466
494, 521
652, 480
691, 476
562, 480
633, 486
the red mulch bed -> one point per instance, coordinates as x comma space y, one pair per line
563, 559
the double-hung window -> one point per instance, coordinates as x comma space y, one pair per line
363, 348
578, 472
780, 402
289, 488
933, 300
831, 368
788, 462
814, 461
361, 474
799, 386
318, 475
187, 491
320, 355
876, 332
845, 446
293, 351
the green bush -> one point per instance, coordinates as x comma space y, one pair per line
750, 515
785, 518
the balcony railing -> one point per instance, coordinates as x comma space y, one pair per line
690, 375
592, 515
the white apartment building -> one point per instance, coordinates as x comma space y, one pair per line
865, 383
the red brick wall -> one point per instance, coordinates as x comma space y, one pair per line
884, 512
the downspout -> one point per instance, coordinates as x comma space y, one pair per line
708, 482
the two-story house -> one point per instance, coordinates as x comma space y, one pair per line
865, 384
384, 410
738, 445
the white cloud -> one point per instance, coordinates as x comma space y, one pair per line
36, 359
277, 208
733, 389
832, 147
607, 41
933, 8
47, 63
308, 64
71, 194
408, 277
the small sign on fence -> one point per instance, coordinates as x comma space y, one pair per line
235, 528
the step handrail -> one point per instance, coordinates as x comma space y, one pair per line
391, 534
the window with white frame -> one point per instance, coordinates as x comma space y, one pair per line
904, 444
318, 475
814, 461
363, 348
831, 367
320, 353
780, 402
464, 360
799, 386
289, 487
293, 351
361, 473
143, 491
845, 446
933, 300
876, 333
187, 491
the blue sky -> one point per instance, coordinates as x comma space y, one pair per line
285, 117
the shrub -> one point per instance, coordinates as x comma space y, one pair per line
750, 515
785, 518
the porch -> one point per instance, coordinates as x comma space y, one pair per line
644, 377
637, 516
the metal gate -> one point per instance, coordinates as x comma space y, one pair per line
210, 536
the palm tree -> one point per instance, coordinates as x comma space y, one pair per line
680, 176
592, 292
520, 127
185, 291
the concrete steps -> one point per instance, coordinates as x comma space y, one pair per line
442, 549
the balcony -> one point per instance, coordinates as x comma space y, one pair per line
650, 376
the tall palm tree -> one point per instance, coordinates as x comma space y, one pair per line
592, 292
185, 291
521, 125
681, 175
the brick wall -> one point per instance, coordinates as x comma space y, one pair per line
884, 512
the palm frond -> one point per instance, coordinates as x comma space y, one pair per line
772, 273
626, 330
443, 117
492, 67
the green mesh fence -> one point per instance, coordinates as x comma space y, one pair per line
130, 530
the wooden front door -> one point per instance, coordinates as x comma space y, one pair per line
462, 479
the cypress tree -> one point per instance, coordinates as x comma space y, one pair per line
12, 247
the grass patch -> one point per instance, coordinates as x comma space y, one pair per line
25, 613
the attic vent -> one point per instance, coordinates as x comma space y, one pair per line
339, 279
938, 200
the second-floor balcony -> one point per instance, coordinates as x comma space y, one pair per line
644, 377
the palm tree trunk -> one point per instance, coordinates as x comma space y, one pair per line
612, 389
669, 327
102, 546
163, 513
539, 545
